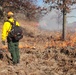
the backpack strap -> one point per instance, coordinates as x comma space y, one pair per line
12, 23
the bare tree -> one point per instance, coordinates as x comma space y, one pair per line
64, 6
28, 7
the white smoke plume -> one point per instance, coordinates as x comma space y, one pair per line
51, 21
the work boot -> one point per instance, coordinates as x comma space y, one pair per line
14, 63
18, 61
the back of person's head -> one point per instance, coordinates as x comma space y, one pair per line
10, 14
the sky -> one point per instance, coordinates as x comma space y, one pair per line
72, 13
39, 2
73, 18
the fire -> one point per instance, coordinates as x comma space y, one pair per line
73, 40
20, 46
51, 42
70, 41
64, 44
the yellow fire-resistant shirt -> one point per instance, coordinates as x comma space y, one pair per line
6, 28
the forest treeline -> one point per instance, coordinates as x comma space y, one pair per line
31, 9
27, 7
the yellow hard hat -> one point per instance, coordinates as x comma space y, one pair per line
10, 13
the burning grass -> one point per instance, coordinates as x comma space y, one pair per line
57, 42
43, 53
46, 41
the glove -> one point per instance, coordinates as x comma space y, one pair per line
3, 42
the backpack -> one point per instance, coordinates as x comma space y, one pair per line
16, 31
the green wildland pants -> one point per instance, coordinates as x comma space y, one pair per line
14, 50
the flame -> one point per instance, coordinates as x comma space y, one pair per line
20, 46
73, 40
53, 42
70, 41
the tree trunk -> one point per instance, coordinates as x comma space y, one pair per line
64, 23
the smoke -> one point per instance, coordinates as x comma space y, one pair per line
51, 21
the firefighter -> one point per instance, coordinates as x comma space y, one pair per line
13, 45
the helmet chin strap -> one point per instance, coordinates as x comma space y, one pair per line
10, 17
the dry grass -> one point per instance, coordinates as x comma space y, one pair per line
42, 53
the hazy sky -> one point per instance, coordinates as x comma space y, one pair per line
51, 21
72, 13
71, 17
